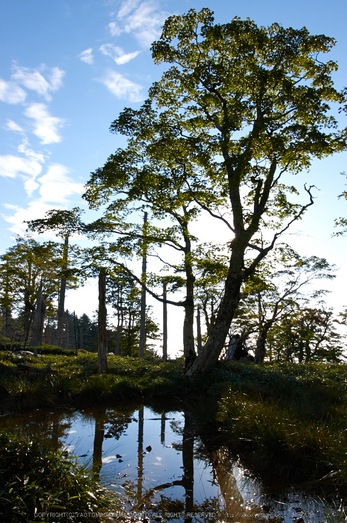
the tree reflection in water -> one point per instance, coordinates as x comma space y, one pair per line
168, 469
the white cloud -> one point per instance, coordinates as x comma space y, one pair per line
87, 56
127, 7
34, 80
122, 87
45, 125
19, 215
54, 188
30, 186
29, 153
56, 185
11, 93
56, 78
11, 166
143, 19
115, 29
28, 168
117, 54
13, 126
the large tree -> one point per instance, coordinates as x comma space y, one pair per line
247, 107
259, 99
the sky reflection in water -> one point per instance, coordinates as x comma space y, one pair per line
160, 464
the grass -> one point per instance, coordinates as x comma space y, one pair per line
289, 421
77, 383
37, 484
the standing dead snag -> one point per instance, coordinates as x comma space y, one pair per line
102, 324
39, 319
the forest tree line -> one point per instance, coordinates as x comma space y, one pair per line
282, 314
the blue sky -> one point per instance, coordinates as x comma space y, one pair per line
68, 67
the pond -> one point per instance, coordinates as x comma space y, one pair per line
164, 467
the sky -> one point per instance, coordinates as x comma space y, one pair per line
69, 67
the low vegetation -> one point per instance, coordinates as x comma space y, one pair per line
73, 380
38, 484
286, 421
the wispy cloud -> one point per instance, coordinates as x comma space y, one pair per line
11, 93
13, 126
56, 185
20, 215
117, 54
121, 87
11, 166
143, 19
127, 7
45, 126
87, 56
34, 80
28, 167
30, 185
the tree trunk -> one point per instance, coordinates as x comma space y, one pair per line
209, 354
188, 465
98, 441
28, 315
188, 324
7, 313
142, 343
120, 317
129, 351
198, 328
119, 332
140, 454
164, 323
188, 332
7, 322
62, 292
39, 318
102, 326
260, 347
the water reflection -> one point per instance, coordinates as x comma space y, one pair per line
163, 464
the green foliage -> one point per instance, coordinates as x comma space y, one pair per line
288, 420
307, 334
341, 223
22, 268
63, 222
35, 480
52, 349
276, 302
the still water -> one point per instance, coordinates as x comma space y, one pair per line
158, 462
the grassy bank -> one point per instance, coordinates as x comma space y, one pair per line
286, 421
75, 381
